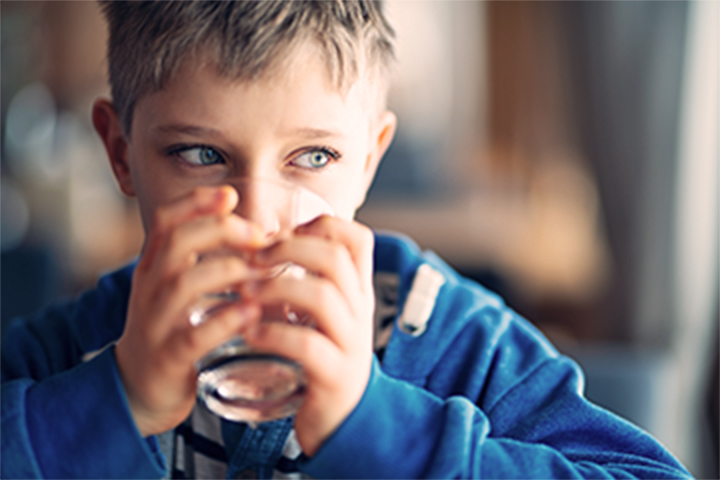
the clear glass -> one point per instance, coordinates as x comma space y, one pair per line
234, 381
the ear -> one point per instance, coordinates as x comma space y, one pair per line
108, 126
381, 139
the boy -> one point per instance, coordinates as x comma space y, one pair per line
205, 94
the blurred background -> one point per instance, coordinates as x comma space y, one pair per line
564, 154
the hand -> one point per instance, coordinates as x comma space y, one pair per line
157, 352
338, 296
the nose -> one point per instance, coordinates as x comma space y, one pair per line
266, 203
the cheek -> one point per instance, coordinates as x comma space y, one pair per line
153, 188
149, 199
146, 215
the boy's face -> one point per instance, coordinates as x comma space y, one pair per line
202, 129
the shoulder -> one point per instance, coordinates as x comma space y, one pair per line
57, 337
465, 339
455, 303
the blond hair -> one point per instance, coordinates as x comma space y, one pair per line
149, 40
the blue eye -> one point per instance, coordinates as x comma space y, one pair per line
200, 155
314, 159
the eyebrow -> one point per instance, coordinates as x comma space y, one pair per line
310, 133
314, 133
188, 130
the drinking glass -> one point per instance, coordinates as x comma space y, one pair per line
235, 381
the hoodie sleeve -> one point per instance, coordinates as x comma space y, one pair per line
65, 414
399, 430
75, 424
480, 393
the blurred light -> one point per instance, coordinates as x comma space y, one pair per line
422, 86
30, 134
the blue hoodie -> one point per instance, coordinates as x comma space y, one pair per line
466, 388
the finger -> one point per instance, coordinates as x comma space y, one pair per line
315, 352
358, 239
191, 343
320, 256
312, 295
201, 201
184, 245
190, 293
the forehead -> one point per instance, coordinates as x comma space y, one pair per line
299, 91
